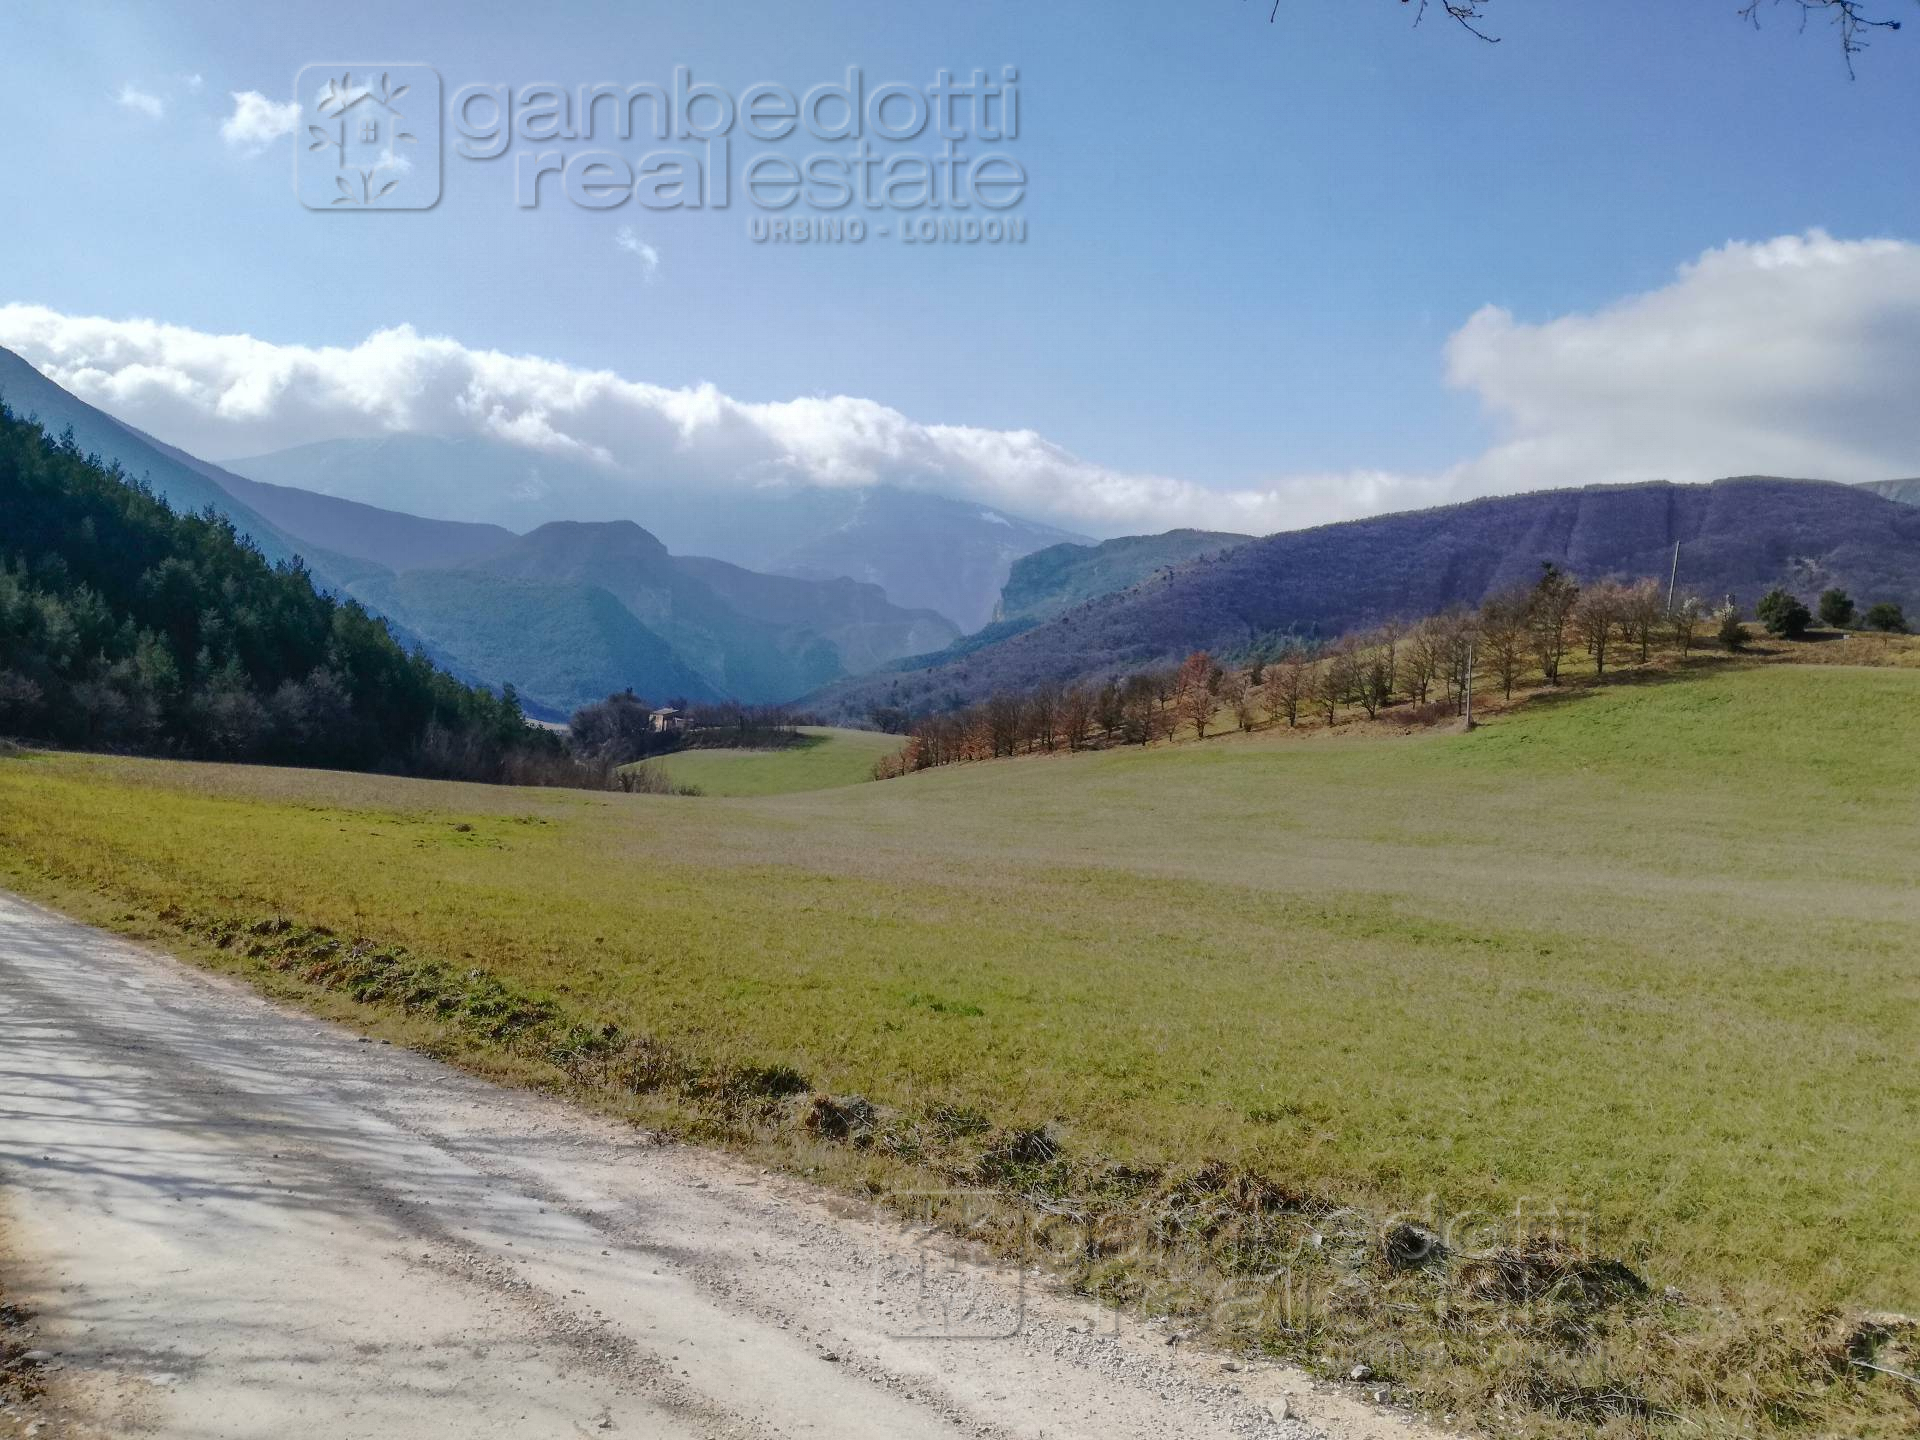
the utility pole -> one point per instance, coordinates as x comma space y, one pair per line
1470, 650
1673, 580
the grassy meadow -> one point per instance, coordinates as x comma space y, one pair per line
1646, 956
827, 756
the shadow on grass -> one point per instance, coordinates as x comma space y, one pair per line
753, 740
1573, 689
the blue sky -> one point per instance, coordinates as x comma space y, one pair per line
1249, 243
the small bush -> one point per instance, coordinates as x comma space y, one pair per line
1836, 609
1732, 634
647, 778
1887, 616
1783, 614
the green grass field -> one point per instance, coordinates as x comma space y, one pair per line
826, 757
1649, 954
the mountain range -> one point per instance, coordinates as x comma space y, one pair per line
1736, 537
567, 613
570, 610
926, 551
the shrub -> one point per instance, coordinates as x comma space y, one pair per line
647, 778
1732, 633
616, 730
1783, 614
1887, 616
1836, 609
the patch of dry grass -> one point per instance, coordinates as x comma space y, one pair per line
1850, 647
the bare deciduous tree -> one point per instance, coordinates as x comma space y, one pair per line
1424, 653
1076, 715
1333, 680
1236, 689
1853, 20
1375, 686
1646, 607
1503, 638
1385, 641
1194, 692
1286, 685
1005, 716
1043, 718
1463, 633
1599, 611
1548, 610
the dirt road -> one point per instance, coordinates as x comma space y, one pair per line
233, 1220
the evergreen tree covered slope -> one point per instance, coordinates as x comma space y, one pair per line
126, 625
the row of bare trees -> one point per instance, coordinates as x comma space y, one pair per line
1425, 668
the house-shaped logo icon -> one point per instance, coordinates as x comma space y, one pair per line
369, 137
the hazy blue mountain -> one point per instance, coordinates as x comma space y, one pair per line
1737, 537
926, 551
389, 538
867, 628
443, 477
1049, 581
1906, 492
754, 637
560, 646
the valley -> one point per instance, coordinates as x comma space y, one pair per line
1255, 778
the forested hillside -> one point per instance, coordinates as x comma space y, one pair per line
188, 485
1043, 584
565, 645
1739, 537
125, 625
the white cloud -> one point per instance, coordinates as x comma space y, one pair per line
141, 103
1795, 356
256, 121
193, 82
630, 242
